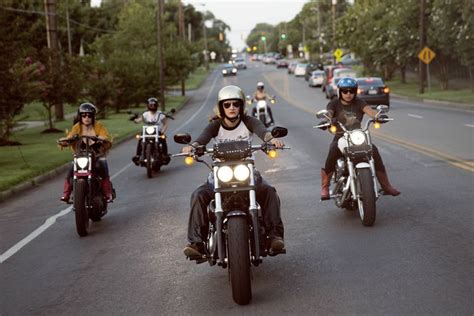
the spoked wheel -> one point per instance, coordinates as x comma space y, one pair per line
239, 260
80, 211
149, 163
366, 202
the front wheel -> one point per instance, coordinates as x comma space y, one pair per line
149, 164
80, 211
239, 259
366, 201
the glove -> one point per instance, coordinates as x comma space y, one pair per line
133, 117
324, 127
199, 150
382, 118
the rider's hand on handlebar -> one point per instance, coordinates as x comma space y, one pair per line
382, 118
277, 143
322, 123
187, 149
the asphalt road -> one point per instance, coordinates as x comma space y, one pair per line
417, 259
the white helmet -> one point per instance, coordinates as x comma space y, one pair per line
230, 93
260, 85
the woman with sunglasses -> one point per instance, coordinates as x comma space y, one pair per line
88, 126
233, 124
349, 110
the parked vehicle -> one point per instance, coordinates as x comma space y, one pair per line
237, 238
344, 73
88, 198
331, 88
355, 185
229, 70
239, 63
300, 70
281, 63
373, 91
291, 67
310, 68
316, 79
329, 69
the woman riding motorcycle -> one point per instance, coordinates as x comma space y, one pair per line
158, 118
262, 95
349, 110
231, 125
88, 126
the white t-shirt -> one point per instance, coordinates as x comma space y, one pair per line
154, 118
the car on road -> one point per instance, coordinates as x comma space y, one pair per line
344, 73
373, 90
282, 63
316, 79
331, 88
291, 67
239, 63
229, 70
329, 69
300, 70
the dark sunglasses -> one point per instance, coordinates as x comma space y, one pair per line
87, 115
227, 104
346, 91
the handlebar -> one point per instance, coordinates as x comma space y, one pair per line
209, 151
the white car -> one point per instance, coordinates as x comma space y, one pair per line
239, 63
300, 70
317, 78
229, 70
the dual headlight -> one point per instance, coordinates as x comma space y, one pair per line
150, 130
82, 162
224, 71
357, 138
226, 173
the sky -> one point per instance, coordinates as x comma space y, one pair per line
243, 15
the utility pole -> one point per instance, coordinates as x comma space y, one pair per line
206, 55
161, 60
52, 36
422, 66
319, 33
69, 45
182, 34
334, 3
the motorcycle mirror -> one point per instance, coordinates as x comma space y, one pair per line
382, 108
172, 111
278, 132
321, 114
182, 138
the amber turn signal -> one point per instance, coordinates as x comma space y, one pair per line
189, 160
386, 90
137, 136
272, 153
376, 125
333, 129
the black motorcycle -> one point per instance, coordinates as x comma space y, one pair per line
88, 197
236, 237
152, 141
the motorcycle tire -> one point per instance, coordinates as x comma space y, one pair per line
366, 204
239, 259
149, 164
80, 210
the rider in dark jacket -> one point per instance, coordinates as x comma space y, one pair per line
349, 110
233, 124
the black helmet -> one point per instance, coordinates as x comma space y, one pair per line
152, 104
86, 108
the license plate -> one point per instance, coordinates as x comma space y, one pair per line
372, 91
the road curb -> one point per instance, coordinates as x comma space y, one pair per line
435, 103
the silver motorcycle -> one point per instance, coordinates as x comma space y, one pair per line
355, 185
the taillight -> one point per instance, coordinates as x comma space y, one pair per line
386, 90
360, 91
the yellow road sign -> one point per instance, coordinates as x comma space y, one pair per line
338, 53
426, 55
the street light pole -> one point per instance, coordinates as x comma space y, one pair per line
206, 56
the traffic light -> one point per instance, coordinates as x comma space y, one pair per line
264, 38
283, 36
254, 48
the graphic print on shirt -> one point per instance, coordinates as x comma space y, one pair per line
241, 132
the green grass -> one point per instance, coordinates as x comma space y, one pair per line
195, 78
35, 111
39, 152
411, 89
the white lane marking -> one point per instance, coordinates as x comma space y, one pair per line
415, 116
51, 220
202, 106
469, 125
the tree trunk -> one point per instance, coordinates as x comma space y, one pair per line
183, 88
403, 75
50, 115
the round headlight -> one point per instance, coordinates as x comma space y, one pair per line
82, 162
225, 173
241, 172
150, 130
224, 71
357, 138
234, 70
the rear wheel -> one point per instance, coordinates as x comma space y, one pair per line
239, 259
80, 211
149, 164
366, 203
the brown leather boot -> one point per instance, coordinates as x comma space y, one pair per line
385, 184
325, 181
67, 190
107, 190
